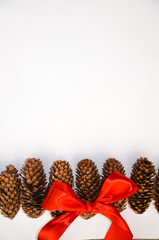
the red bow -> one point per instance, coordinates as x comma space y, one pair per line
62, 197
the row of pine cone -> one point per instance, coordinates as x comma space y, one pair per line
29, 188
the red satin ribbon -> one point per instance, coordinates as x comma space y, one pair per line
62, 197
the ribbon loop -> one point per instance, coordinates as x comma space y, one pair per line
115, 188
62, 197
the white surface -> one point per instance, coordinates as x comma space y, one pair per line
79, 79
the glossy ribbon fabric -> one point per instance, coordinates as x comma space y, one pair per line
62, 197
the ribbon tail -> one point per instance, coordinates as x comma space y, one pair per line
119, 230
54, 229
117, 233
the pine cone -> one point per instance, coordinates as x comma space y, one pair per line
0, 189
10, 192
110, 165
33, 187
156, 192
143, 173
87, 182
60, 171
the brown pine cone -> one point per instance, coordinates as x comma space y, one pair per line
156, 192
33, 187
110, 165
143, 172
87, 182
60, 171
0, 189
10, 192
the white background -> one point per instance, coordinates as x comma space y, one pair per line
79, 79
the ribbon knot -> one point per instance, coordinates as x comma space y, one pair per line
89, 207
62, 198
